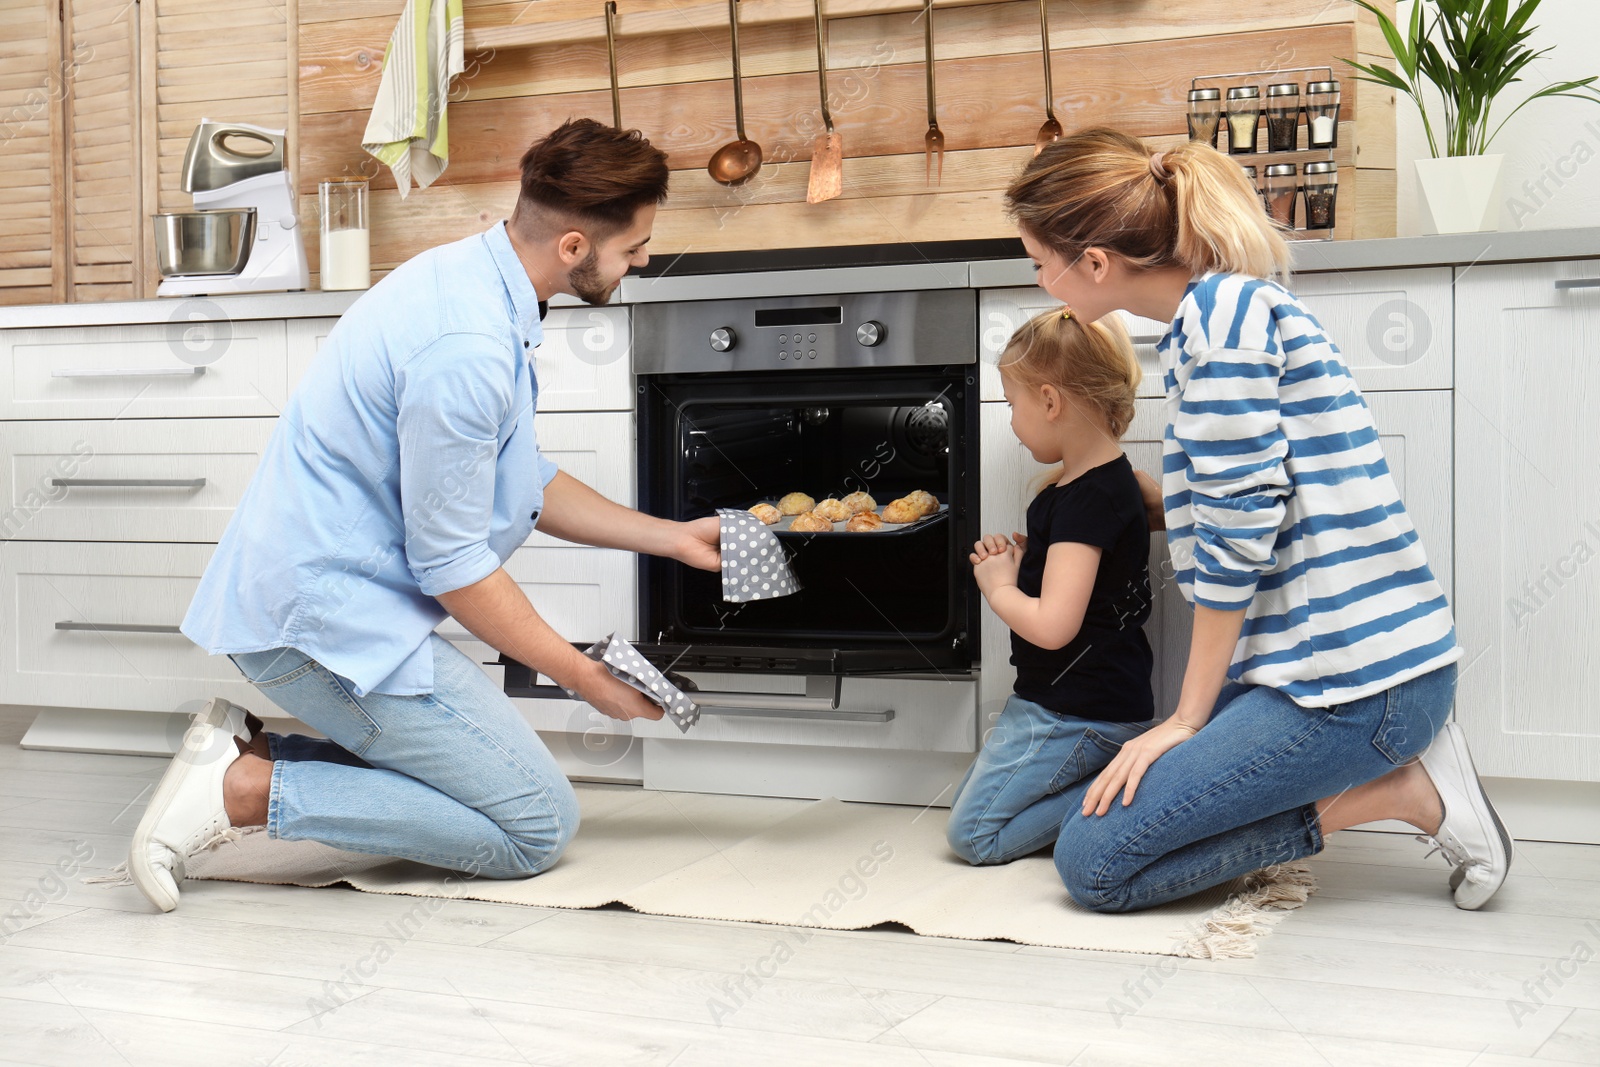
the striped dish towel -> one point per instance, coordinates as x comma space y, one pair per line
407, 130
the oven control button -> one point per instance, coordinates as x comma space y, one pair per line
723, 338
870, 333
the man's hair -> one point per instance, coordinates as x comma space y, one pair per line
589, 176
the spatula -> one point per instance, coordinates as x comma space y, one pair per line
827, 152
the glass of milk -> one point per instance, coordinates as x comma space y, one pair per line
346, 245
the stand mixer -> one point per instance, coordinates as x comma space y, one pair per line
244, 234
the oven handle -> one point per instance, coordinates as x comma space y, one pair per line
821, 701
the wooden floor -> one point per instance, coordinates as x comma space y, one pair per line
1378, 969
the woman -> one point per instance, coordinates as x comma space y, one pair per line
1322, 667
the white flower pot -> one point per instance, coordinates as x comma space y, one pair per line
1460, 194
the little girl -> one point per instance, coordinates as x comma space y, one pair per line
1074, 591
1322, 667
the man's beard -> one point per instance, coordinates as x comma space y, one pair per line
586, 282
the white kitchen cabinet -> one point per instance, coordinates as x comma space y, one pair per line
94, 625
175, 369
1413, 426
305, 339
1011, 479
126, 479
1001, 311
1527, 491
1394, 328
594, 447
583, 363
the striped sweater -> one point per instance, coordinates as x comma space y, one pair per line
1278, 500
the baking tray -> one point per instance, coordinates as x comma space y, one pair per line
888, 529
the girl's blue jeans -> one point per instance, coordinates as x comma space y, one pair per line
456, 778
1016, 794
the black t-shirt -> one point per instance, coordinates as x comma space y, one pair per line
1104, 672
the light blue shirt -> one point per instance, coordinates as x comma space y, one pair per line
403, 467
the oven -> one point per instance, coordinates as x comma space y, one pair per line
744, 401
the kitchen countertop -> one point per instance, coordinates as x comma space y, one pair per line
872, 268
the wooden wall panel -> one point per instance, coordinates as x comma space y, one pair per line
218, 59
531, 66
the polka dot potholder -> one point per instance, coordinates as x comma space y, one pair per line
624, 661
754, 566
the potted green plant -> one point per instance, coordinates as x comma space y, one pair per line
1470, 52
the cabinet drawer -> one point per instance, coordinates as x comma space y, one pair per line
584, 362
199, 367
1001, 311
304, 338
1393, 327
145, 587
126, 479
583, 593
594, 447
927, 717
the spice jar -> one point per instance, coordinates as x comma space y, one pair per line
1255, 183
345, 245
1283, 117
1322, 190
1322, 114
1282, 186
1244, 117
1205, 115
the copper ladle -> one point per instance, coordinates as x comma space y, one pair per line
933, 140
735, 161
611, 54
1050, 130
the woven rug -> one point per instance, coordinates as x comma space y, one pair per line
827, 864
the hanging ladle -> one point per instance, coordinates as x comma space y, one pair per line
1050, 130
611, 55
735, 161
933, 140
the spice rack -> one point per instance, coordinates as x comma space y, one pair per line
1218, 106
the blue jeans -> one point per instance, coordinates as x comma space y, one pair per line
455, 779
1013, 800
1241, 794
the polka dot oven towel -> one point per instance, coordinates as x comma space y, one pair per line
754, 566
624, 661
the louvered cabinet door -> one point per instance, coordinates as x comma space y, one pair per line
27, 107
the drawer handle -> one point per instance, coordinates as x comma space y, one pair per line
131, 483
744, 709
119, 627
1149, 339
113, 372
1578, 283
818, 703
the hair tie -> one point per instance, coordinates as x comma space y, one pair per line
1157, 168
1066, 314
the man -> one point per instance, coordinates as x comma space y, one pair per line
402, 475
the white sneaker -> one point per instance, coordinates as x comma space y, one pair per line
1471, 834
186, 814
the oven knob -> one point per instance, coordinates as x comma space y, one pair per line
723, 338
870, 333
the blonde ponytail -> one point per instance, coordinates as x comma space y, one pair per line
1189, 206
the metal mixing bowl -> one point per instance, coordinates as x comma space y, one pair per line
204, 242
